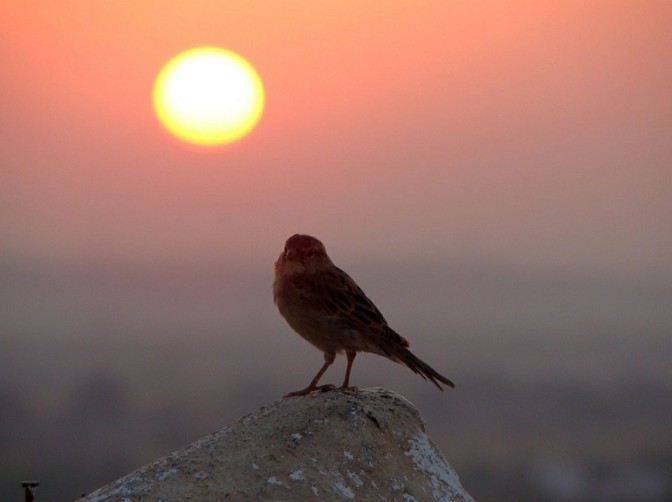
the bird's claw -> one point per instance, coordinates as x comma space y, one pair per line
309, 389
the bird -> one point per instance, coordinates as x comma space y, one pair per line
327, 308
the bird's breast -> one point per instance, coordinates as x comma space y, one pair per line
319, 329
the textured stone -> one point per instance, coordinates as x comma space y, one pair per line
367, 445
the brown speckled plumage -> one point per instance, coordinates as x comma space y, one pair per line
327, 308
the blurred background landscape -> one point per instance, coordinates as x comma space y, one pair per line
494, 174
563, 380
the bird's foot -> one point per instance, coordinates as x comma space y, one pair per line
348, 389
309, 389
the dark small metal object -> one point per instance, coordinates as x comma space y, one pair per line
29, 488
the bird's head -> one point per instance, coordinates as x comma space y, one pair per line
303, 249
302, 254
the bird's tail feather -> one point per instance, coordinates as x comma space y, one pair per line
403, 355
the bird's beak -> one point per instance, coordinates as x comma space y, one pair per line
290, 253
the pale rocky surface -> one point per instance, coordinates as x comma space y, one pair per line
365, 445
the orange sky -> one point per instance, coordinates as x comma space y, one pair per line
521, 132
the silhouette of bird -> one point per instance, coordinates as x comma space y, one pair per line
327, 308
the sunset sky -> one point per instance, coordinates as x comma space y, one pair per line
495, 174
534, 134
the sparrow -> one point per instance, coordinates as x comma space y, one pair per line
326, 307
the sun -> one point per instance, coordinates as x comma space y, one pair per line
208, 96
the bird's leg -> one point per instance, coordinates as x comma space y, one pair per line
351, 358
328, 359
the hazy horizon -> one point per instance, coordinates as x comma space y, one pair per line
131, 363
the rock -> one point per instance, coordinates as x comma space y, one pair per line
367, 445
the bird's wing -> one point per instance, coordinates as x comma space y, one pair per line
337, 297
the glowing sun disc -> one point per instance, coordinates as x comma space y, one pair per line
208, 96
